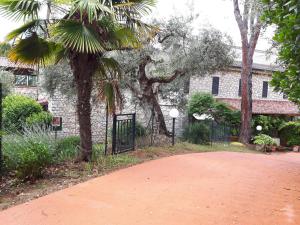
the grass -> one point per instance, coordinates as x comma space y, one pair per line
68, 173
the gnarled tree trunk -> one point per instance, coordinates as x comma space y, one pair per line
84, 67
146, 93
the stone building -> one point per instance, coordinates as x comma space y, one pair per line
224, 85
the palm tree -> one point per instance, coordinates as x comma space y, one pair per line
81, 31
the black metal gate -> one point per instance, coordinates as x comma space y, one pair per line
123, 133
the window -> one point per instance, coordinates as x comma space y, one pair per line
240, 88
25, 80
215, 85
265, 89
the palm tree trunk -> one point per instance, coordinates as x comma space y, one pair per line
84, 67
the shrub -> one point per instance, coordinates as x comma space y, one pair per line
29, 153
264, 140
16, 109
98, 151
67, 148
270, 124
42, 119
200, 103
197, 133
203, 103
290, 133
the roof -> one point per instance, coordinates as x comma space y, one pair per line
5, 62
266, 107
261, 67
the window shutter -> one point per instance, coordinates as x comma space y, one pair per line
240, 88
215, 85
265, 89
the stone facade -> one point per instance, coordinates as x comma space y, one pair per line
229, 85
27, 91
66, 108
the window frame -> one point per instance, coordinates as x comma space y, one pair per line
215, 87
265, 89
27, 76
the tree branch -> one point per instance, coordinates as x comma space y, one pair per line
161, 40
135, 91
165, 80
240, 22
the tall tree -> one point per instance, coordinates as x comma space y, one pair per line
162, 67
250, 25
286, 16
81, 31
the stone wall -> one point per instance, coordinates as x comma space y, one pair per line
65, 108
229, 85
27, 91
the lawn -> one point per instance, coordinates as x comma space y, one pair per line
66, 174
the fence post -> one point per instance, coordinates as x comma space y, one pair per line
133, 130
114, 134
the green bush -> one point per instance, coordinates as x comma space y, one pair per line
290, 133
42, 119
28, 154
67, 148
16, 109
270, 124
197, 133
264, 140
203, 103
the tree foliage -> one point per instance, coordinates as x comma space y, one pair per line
203, 103
4, 48
286, 16
83, 32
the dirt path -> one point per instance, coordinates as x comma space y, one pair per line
208, 188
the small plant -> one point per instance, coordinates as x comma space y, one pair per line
264, 140
28, 154
39, 119
16, 109
290, 133
67, 148
197, 133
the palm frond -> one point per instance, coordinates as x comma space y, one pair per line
94, 9
77, 36
33, 50
137, 7
20, 9
108, 83
25, 29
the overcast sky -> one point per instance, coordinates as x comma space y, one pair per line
215, 13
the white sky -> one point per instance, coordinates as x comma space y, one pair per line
215, 13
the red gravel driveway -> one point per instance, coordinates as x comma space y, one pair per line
207, 188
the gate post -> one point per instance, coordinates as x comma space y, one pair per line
133, 130
114, 134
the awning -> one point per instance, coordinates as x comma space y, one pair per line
265, 107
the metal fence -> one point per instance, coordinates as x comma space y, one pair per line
123, 133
